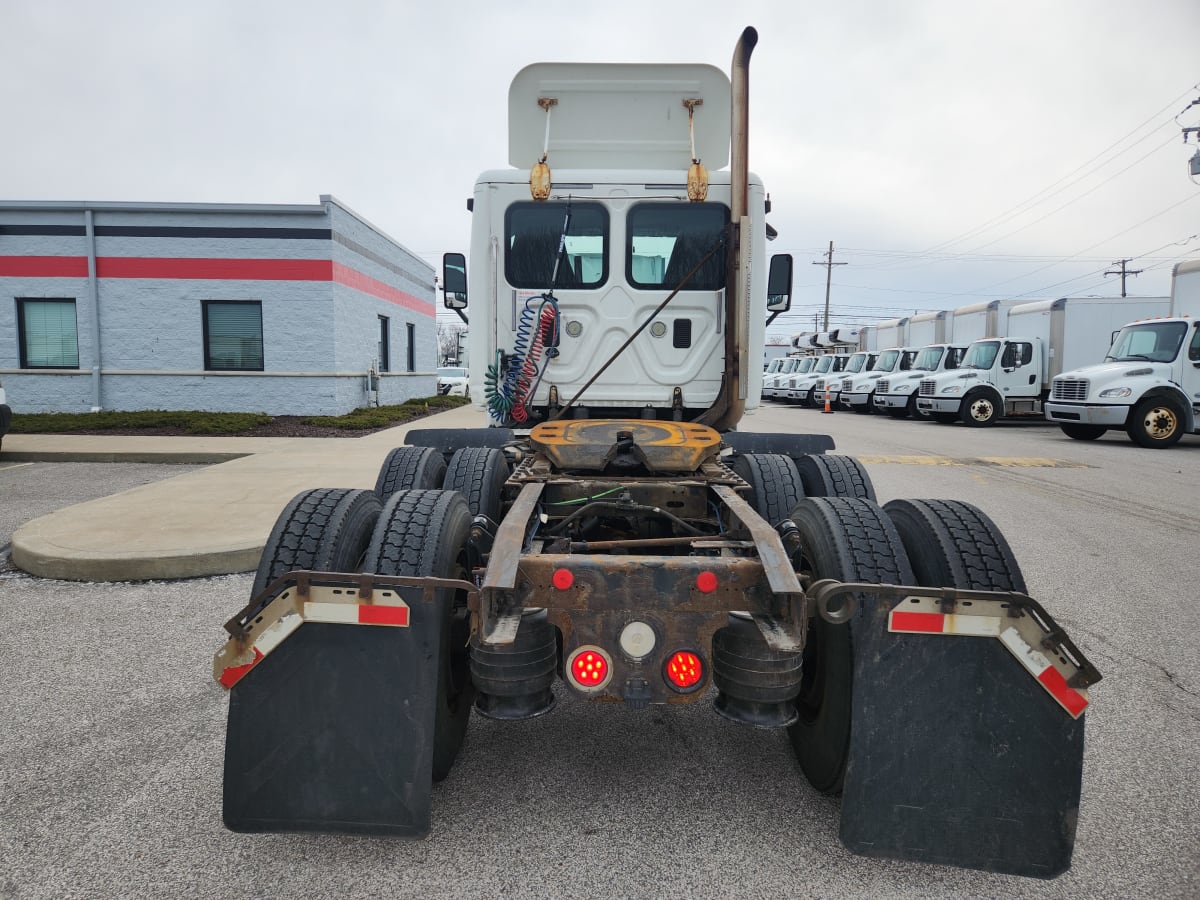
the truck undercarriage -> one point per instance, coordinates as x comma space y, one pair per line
655, 563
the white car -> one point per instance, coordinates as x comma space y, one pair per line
453, 381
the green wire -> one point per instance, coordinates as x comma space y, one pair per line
587, 499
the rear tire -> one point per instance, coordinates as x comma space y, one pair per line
834, 476
955, 544
479, 474
775, 484
410, 468
425, 533
323, 529
1080, 432
847, 539
1155, 422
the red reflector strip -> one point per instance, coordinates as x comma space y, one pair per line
357, 614
234, 674
916, 622
383, 615
1073, 701
1069, 698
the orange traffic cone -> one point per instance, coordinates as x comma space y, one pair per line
827, 409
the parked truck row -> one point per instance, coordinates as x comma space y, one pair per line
1009, 358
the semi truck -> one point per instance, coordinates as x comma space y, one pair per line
612, 536
1149, 382
1009, 373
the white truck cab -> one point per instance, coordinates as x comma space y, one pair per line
802, 387
783, 383
831, 385
775, 386
858, 390
619, 254
896, 394
1149, 382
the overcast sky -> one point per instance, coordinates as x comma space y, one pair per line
953, 151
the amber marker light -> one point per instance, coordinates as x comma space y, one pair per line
684, 671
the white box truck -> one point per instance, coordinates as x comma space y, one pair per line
829, 385
801, 386
1148, 384
891, 333
896, 394
1011, 375
858, 391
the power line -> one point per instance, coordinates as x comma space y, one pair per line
1037, 197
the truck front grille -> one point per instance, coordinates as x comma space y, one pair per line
928, 386
847, 384
1069, 389
882, 385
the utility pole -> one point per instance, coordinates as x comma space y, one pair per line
1123, 272
828, 264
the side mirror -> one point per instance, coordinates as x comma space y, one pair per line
454, 280
779, 283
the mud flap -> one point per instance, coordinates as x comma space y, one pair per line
333, 731
957, 755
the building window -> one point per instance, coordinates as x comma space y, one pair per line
233, 336
412, 347
48, 334
384, 345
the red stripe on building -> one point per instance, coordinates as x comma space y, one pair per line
201, 269
43, 266
922, 623
207, 269
383, 615
234, 674
352, 278
1074, 702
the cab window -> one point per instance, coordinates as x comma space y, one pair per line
665, 241
533, 233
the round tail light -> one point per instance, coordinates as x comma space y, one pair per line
589, 668
684, 671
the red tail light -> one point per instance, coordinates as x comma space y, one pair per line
684, 671
706, 582
590, 668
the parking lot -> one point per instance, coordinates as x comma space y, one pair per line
110, 782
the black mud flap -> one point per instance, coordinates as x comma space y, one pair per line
793, 445
447, 440
957, 755
333, 731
